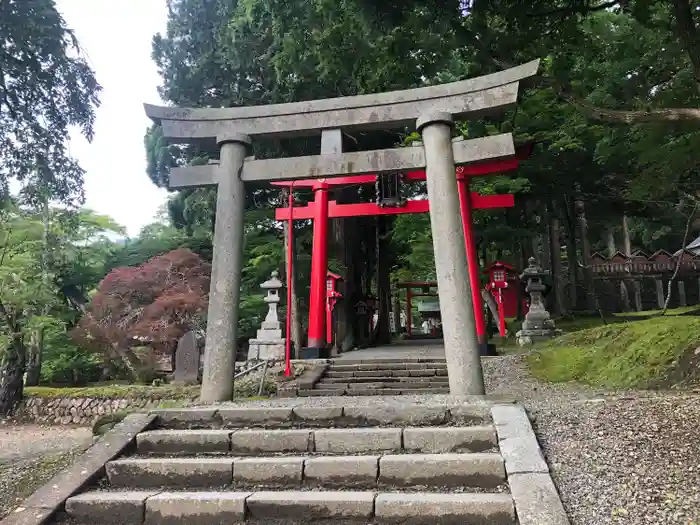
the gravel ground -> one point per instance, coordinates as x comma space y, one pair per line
31, 454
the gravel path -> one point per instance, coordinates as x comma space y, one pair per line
31, 454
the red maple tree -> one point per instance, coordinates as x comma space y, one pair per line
154, 304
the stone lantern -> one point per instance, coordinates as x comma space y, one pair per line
538, 324
269, 343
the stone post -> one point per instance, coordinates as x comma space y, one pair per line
456, 308
224, 291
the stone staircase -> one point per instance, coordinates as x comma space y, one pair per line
412, 464
382, 377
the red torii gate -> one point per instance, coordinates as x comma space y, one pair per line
323, 209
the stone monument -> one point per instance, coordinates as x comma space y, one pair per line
269, 343
431, 110
186, 360
538, 324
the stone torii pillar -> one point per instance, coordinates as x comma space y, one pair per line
224, 291
456, 310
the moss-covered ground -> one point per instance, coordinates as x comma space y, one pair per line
643, 350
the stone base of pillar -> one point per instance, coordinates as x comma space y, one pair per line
314, 352
530, 337
487, 350
266, 349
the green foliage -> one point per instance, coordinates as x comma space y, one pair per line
65, 363
46, 87
641, 354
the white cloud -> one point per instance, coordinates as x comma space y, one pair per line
116, 37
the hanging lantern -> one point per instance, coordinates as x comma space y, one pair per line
389, 190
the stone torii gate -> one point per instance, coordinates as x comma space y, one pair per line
431, 110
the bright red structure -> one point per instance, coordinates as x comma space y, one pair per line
503, 285
322, 209
332, 297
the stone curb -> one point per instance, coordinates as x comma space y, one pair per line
200, 508
537, 501
45, 501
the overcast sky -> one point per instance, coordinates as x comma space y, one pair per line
116, 36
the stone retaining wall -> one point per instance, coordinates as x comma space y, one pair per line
78, 410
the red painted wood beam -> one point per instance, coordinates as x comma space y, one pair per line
335, 210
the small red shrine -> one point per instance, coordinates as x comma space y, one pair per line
504, 286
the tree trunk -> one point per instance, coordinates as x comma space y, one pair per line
571, 255
35, 353
12, 368
130, 361
586, 255
36, 348
383, 236
626, 241
555, 254
680, 258
624, 289
610, 242
352, 257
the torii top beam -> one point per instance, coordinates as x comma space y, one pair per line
395, 109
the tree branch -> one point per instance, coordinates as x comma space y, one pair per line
581, 10
591, 111
624, 116
680, 257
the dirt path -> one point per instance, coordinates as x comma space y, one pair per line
31, 454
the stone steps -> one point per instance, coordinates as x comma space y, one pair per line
431, 471
475, 438
344, 507
321, 392
328, 379
370, 465
381, 377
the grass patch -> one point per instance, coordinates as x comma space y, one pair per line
650, 352
117, 392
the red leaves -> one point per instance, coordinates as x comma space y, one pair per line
156, 302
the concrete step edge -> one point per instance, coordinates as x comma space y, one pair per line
227, 507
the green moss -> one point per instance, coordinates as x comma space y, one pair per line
118, 392
646, 353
